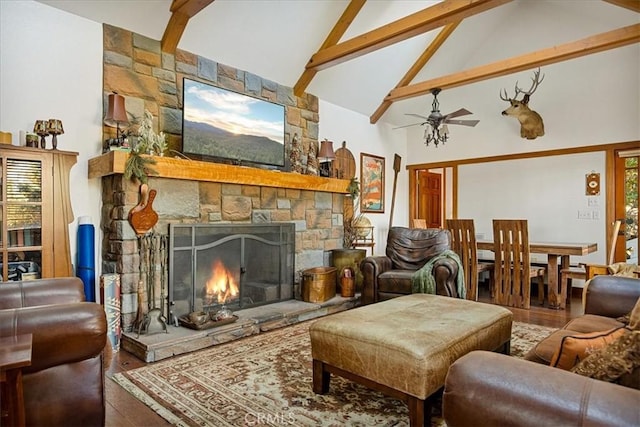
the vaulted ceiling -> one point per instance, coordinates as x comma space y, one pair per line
378, 58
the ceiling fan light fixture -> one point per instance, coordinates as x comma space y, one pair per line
436, 130
435, 135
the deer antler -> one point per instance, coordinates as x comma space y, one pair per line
536, 80
505, 97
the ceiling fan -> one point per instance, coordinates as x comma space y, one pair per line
433, 132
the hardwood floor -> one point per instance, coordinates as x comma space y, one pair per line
124, 410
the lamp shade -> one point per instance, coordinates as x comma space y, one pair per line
326, 153
40, 127
116, 111
54, 127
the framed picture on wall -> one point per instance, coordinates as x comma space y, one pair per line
371, 183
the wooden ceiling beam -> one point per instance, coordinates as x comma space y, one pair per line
428, 19
173, 32
417, 66
181, 12
189, 7
587, 46
627, 4
332, 39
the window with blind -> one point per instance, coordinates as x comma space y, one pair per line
21, 182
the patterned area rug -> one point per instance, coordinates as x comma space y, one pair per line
265, 380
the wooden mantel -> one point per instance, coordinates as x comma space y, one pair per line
176, 168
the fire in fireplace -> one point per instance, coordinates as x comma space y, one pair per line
221, 286
232, 265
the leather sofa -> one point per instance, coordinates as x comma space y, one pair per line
491, 389
408, 249
607, 298
65, 383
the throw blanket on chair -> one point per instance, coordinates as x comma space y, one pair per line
424, 282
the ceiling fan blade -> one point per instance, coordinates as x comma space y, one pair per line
462, 122
460, 112
406, 126
417, 115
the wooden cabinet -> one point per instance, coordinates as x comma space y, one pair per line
35, 212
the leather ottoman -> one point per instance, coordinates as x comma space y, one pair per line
404, 346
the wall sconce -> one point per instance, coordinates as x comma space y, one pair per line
116, 114
40, 128
54, 127
325, 157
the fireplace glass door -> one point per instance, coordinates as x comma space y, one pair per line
236, 266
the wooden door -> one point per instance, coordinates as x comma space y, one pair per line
430, 198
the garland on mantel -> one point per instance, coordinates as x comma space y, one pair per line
148, 142
138, 167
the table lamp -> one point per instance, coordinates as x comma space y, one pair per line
54, 127
40, 128
116, 114
325, 157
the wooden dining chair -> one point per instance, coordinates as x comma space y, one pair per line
418, 223
513, 271
463, 242
584, 271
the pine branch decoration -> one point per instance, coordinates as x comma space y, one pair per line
139, 167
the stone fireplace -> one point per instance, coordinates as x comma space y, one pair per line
237, 266
193, 193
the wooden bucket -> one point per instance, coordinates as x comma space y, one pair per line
318, 284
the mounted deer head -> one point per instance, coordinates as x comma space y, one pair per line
531, 125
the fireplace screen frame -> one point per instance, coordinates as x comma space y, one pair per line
280, 236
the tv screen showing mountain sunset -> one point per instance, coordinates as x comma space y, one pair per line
219, 123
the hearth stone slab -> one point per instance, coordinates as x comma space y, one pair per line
262, 291
251, 321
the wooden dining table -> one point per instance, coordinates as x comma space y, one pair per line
554, 250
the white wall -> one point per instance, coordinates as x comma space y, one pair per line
51, 67
578, 101
338, 124
587, 101
543, 190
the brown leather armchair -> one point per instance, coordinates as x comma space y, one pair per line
408, 249
523, 393
65, 383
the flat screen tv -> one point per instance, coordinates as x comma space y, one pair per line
222, 125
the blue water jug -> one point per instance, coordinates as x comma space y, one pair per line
85, 266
